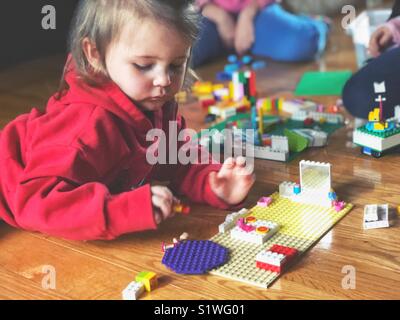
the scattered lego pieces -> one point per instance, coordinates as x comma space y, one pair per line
181, 208
195, 257
183, 237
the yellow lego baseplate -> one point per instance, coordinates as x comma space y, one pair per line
301, 225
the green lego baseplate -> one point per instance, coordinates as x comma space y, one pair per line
301, 226
383, 134
275, 125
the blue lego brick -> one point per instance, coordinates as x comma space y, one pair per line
195, 257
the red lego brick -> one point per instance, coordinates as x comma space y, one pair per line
268, 267
207, 103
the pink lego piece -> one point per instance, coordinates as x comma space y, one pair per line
338, 205
264, 201
245, 227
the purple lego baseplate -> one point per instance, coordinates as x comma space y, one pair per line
195, 256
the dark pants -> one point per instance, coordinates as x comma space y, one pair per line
358, 93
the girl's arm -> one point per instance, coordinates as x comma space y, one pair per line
223, 20
55, 197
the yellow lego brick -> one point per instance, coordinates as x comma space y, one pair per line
149, 279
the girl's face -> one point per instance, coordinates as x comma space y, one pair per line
148, 63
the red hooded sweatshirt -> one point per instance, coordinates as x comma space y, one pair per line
71, 171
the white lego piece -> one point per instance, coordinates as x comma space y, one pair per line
315, 183
220, 93
371, 213
133, 291
315, 176
376, 216
266, 153
315, 138
228, 112
379, 87
231, 219
293, 106
254, 236
215, 110
397, 113
317, 116
280, 144
374, 142
272, 258
286, 189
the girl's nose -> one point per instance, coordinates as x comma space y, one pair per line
163, 79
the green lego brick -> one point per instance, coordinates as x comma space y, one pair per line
383, 134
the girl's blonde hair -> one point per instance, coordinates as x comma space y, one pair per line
102, 21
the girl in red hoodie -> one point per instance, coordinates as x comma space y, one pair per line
79, 170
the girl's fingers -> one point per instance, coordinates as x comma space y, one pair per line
163, 205
157, 217
228, 165
163, 192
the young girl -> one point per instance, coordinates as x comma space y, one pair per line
79, 169
259, 26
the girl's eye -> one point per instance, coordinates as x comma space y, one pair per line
176, 67
142, 67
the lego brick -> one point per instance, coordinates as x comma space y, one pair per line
231, 219
195, 257
318, 116
264, 201
376, 142
264, 230
133, 291
149, 280
376, 216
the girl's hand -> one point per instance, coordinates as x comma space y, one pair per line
380, 40
224, 21
163, 202
245, 34
233, 182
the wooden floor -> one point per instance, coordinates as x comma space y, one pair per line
101, 270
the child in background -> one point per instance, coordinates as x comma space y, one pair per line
358, 93
261, 27
79, 170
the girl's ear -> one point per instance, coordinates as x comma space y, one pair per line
91, 53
